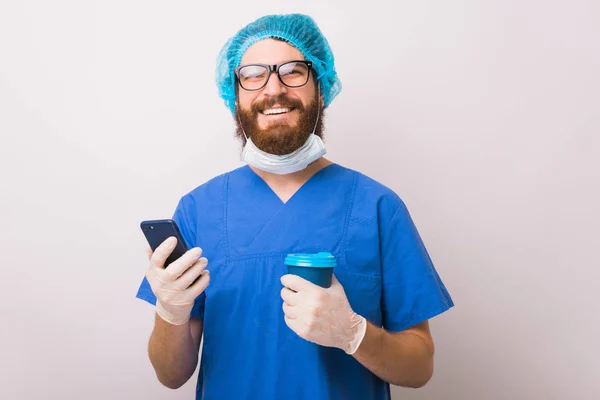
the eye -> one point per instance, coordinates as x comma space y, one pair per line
252, 72
292, 69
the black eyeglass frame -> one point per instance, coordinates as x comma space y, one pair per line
270, 70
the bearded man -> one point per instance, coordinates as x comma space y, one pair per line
269, 333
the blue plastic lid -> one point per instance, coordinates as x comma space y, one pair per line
321, 259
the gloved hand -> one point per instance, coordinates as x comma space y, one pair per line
174, 286
320, 315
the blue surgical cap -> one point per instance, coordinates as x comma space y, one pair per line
300, 31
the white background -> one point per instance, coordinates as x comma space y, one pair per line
483, 115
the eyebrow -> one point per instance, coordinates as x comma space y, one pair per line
280, 62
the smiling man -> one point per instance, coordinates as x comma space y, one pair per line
269, 334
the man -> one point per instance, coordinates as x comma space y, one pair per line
269, 334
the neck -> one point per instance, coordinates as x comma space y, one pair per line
300, 176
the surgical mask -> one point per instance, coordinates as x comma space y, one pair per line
311, 150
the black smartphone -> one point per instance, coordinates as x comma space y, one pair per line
157, 231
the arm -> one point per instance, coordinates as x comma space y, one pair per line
173, 350
402, 358
175, 341
324, 316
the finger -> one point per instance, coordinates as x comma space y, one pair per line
290, 311
149, 252
201, 284
163, 252
298, 284
289, 296
189, 277
182, 264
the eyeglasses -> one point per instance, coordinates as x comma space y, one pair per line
291, 73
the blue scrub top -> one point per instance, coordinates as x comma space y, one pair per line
246, 231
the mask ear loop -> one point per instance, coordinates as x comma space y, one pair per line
242, 127
318, 109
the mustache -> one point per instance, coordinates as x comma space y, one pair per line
281, 100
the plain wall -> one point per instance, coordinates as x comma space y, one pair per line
482, 115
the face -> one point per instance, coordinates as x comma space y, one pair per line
278, 118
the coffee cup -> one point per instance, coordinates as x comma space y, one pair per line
316, 268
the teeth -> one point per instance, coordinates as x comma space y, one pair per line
276, 111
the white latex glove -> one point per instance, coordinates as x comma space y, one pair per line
171, 286
320, 315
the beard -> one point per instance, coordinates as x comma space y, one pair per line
280, 138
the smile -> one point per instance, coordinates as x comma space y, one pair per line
276, 111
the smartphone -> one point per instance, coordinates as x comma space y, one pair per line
157, 231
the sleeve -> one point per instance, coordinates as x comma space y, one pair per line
412, 290
185, 217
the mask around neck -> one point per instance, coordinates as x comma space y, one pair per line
311, 150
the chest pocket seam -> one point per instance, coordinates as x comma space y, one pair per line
364, 293
344, 241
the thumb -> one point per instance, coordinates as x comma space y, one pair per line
336, 287
334, 282
149, 252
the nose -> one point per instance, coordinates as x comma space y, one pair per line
274, 87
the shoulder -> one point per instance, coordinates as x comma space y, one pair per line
203, 205
212, 189
371, 193
207, 196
